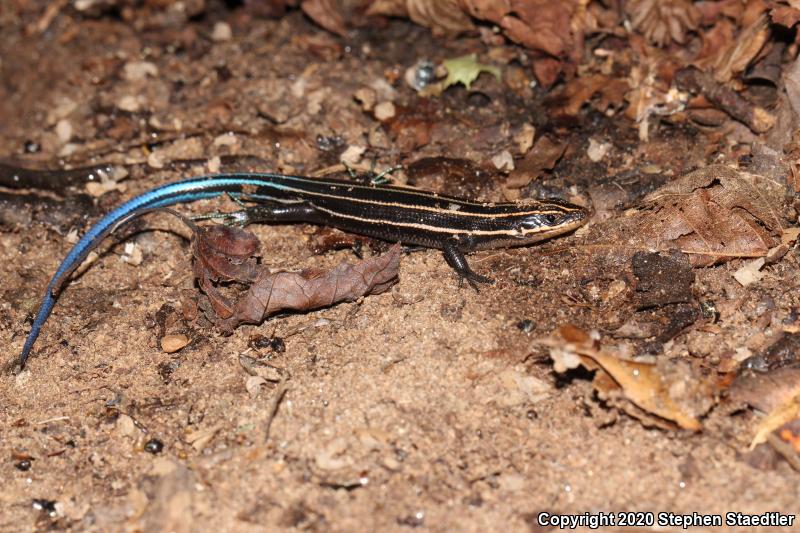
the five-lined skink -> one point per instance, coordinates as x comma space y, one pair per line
392, 213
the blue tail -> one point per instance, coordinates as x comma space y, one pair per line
170, 194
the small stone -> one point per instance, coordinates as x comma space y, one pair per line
133, 254
384, 111
125, 425
390, 463
352, 155
221, 32
139, 70
367, 97
64, 130
173, 343
67, 150
524, 138
129, 103
503, 161
226, 139
155, 160
597, 150
214, 164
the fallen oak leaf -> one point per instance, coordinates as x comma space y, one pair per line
713, 214
668, 390
313, 288
224, 253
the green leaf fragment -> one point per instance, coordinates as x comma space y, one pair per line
466, 69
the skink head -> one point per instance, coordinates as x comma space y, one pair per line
549, 218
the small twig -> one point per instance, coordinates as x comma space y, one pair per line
723, 97
56, 419
43, 22
785, 450
280, 392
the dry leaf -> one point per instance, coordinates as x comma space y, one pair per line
781, 415
443, 17
541, 25
200, 438
712, 214
326, 13
716, 41
225, 253
580, 91
766, 391
312, 288
785, 15
554, 28
742, 50
670, 390
544, 156
662, 21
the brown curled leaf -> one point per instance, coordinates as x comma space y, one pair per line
224, 253
313, 288
716, 213
713, 214
443, 17
664, 394
543, 156
555, 29
785, 15
326, 13
581, 91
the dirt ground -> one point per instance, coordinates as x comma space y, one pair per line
430, 406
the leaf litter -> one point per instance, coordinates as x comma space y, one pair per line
227, 254
686, 272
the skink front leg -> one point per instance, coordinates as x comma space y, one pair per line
458, 262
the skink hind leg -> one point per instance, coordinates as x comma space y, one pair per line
458, 262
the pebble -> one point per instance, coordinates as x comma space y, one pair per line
64, 130
173, 343
221, 32
384, 111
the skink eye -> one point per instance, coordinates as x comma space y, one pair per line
550, 220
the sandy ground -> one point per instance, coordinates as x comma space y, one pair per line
429, 406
